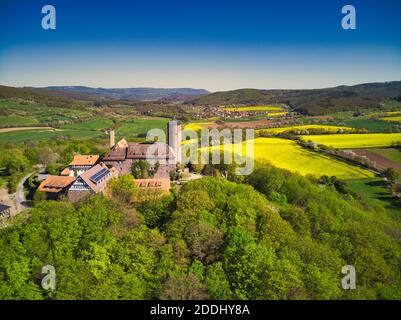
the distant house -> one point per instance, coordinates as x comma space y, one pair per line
92, 181
55, 186
5, 211
79, 165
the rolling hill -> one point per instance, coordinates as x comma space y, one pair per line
311, 101
146, 94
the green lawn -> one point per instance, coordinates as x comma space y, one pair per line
390, 153
374, 191
10, 104
16, 121
94, 124
19, 113
131, 128
19, 137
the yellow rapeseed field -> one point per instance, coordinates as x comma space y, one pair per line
347, 141
395, 119
196, 125
333, 129
276, 114
288, 155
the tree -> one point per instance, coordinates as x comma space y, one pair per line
183, 287
393, 175
47, 156
15, 162
205, 242
218, 285
210, 170
266, 179
157, 211
39, 196
212, 239
140, 169
123, 189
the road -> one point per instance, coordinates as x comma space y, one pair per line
12, 129
20, 200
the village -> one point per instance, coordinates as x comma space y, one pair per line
225, 112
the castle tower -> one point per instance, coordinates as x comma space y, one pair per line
112, 138
174, 138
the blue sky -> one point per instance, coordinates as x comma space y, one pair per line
216, 45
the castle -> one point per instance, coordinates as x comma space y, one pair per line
123, 154
87, 175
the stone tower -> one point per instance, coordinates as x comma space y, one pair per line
112, 138
174, 138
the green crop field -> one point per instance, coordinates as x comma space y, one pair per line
347, 141
390, 153
11, 104
94, 124
288, 155
375, 191
22, 114
255, 108
332, 129
363, 123
19, 137
137, 126
15, 121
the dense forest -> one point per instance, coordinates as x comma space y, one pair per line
274, 235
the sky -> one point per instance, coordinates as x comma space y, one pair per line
215, 45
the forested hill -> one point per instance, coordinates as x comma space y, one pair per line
47, 97
145, 94
213, 239
314, 102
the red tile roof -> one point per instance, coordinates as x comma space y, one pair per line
55, 184
65, 172
84, 160
149, 151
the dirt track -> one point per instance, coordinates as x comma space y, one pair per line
382, 163
3, 130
